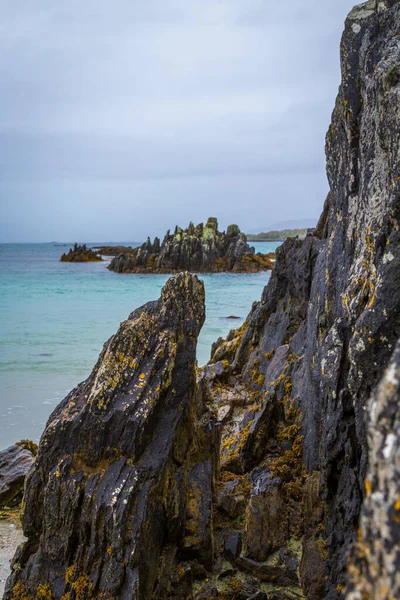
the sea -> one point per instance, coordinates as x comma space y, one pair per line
55, 318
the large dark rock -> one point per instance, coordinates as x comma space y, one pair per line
331, 311
15, 463
123, 479
201, 249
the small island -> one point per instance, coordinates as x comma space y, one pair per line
80, 253
200, 248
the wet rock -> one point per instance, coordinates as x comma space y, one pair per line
15, 463
201, 249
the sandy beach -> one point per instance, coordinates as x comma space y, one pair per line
10, 537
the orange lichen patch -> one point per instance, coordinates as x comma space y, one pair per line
19, 592
257, 377
321, 545
397, 505
368, 487
244, 485
269, 355
83, 588
233, 444
142, 376
44, 592
69, 575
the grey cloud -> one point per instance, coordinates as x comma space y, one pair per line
137, 101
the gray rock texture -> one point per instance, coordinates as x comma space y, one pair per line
15, 462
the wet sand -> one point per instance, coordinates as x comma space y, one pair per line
10, 537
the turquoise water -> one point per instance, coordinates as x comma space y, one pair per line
55, 318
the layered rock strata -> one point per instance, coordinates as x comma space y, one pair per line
200, 249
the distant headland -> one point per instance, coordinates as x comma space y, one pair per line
201, 248
279, 236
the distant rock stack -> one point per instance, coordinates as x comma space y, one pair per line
81, 253
198, 248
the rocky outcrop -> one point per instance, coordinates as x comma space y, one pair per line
112, 250
201, 249
121, 488
292, 385
273, 475
80, 253
15, 462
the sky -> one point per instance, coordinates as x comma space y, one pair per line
120, 119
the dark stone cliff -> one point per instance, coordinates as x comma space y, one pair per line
274, 473
202, 249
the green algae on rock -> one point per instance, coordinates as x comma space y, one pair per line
201, 249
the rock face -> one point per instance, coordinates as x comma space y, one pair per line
201, 249
292, 385
273, 475
375, 566
15, 462
122, 484
80, 253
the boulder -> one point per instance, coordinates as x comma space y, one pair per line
15, 463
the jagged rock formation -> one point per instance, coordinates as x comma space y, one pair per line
122, 483
316, 346
251, 482
80, 253
201, 249
15, 462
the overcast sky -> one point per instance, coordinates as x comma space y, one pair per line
120, 119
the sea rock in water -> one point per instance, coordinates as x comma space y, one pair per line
202, 249
15, 463
80, 253
122, 485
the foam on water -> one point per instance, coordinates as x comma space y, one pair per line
55, 318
